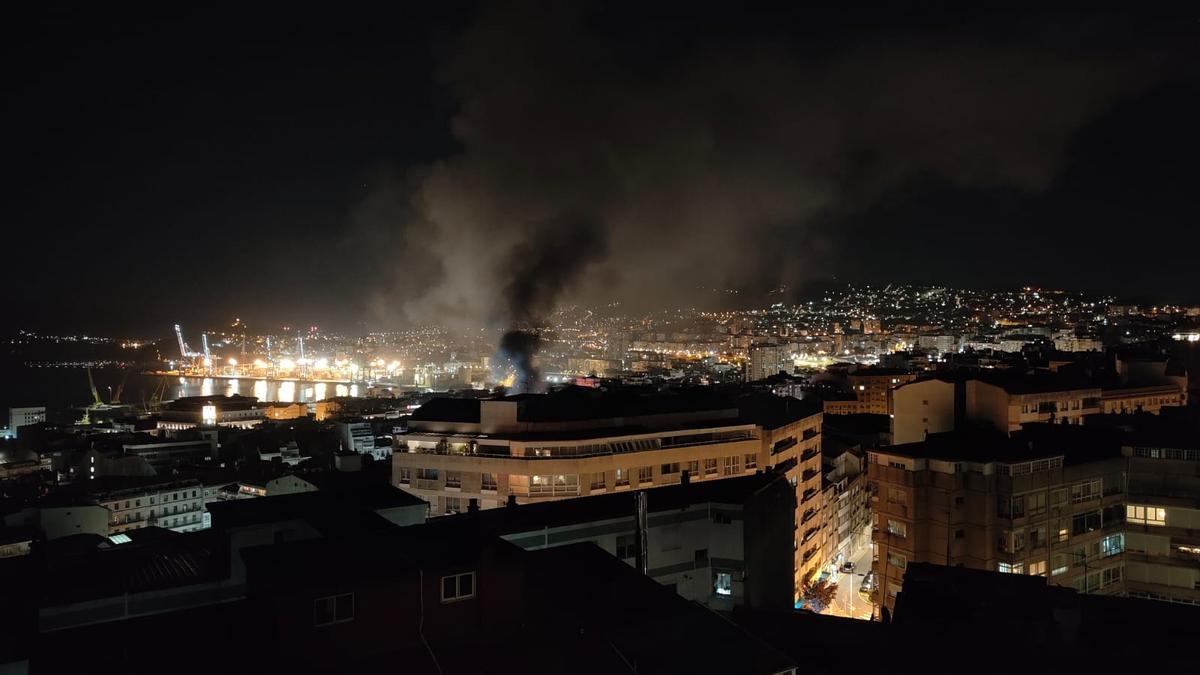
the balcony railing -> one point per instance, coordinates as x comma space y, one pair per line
783, 445
553, 490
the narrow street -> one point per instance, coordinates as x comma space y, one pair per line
848, 602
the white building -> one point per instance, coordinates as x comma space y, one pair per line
176, 505
359, 437
22, 417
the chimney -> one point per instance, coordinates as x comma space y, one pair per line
512, 501
473, 505
685, 477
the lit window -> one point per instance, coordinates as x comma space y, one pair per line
333, 609
1146, 515
1038, 568
1014, 568
724, 583
732, 465
897, 528
458, 587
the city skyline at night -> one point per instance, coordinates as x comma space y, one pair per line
379, 173
600, 337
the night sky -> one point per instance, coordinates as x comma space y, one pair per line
483, 164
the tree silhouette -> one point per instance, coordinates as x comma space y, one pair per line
818, 595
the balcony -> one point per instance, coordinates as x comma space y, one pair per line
553, 490
783, 445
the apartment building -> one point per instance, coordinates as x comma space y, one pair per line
1007, 400
1162, 519
767, 360
870, 388
1049, 501
846, 508
723, 544
1149, 399
544, 447
175, 505
358, 436
790, 435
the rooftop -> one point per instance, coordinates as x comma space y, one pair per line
771, 412
333, 512
1076, 444
572, 404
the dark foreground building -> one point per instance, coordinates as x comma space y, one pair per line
327, 583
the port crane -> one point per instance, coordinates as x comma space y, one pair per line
116, 397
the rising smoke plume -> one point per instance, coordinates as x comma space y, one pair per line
600, 163
515, 357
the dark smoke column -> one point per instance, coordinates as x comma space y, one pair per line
550, 260
517, 348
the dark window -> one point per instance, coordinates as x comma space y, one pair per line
702, 557
625, 546
1085, 522
458, 587
333, 609
960, 534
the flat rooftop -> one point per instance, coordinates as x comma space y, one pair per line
573, 404
1076, 444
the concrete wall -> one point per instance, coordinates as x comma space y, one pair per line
920, 408
61, 521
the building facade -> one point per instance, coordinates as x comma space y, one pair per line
174, 505
872, 391
538, 448
723, 544
938, 405
22, 417
359, 437
1046, 504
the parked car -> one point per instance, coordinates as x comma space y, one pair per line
868, 585
848, 567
